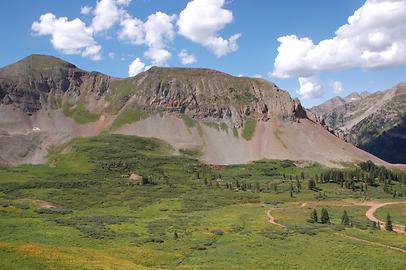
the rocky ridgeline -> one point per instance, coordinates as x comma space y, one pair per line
43, 82
37, 82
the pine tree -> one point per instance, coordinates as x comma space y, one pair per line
298, 185
345, 219
325, 218
313, 216
388, 225
312, 184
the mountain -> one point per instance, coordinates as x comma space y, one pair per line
374, 122
219, 118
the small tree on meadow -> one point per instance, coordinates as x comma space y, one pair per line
313, 216
312, 184
325, 218
375, 225
388, 224
345, 219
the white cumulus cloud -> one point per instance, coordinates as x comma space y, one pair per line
85, 10
200, 22
156, 32
186, 58
310, 87
69, 37
132, 30
107, 13
136, 67
374, 36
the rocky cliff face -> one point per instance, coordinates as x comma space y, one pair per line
211, 95
42, 82
374, 122
37, 81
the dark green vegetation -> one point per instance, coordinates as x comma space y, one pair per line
78, 113
84, 212
249, 129
128, 116
189, 122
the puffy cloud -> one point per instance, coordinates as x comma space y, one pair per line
69, 37
257, 76
107, 13
375, 36
200, 22
310, 87
337, 86
156, 32
132, 30
85, 10
186, 58
158, 56
135, 67
159, 29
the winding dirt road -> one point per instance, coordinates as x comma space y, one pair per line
272, 219
375, 206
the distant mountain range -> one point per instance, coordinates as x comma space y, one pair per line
216, 117
374, 122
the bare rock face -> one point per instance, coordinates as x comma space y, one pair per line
38, 82
374, 122
205, 94
32, 83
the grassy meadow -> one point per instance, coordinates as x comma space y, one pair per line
82, 211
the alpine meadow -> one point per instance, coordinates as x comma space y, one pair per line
214, 135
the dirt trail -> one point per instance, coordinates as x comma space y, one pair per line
375, 206
272, 220
370, 242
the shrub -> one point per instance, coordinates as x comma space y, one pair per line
217, 232
58, 211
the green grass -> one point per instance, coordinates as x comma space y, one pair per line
396, 211
79, 113
121, 90
185, 217
128, 116
212, 125
188, 121
249, 129
235, 132
192, 152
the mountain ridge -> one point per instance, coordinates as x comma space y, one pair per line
54, 101
374, 122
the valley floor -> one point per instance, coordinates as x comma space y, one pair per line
84, 212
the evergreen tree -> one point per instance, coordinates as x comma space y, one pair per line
375, 225
345, 219
298, 185
325, 218
388, 225
313, 216
312, 184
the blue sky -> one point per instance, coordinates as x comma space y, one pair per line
198, 28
